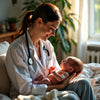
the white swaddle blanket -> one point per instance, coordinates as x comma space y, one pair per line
52, 95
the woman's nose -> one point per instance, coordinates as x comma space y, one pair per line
52, 32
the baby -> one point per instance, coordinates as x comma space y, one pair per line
68, 66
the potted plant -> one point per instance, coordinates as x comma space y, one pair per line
61, 35
12, 23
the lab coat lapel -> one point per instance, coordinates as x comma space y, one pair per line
45, 58
43, 54
34, 54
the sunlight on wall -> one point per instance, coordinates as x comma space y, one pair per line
80, 8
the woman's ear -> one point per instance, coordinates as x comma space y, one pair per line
39, 20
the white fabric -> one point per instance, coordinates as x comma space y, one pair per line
83, 30
52, 95
21, 73
3, 47
80, 8
4, 97
91, 72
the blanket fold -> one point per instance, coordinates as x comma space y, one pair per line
52, 95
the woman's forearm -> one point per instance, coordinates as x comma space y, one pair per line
58, 87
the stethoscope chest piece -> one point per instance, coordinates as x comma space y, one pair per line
30, 61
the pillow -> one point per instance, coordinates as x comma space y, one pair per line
4, 97
4, 47
4, 80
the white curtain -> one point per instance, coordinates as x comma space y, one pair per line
80, 7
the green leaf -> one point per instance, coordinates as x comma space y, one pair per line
56, 2
65, 22
74, 42
68, 4
71, 24
63, 4
47, 1
51, 38
76, 19
65, 45
71, 14
55, 48
65, 29
24, 8
26, 3
61, 32
41, 1
65, 14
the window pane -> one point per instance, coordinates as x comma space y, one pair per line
97, 17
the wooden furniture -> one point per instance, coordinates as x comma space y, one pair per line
8, 36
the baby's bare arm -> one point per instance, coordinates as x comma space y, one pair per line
61, 85
60, 75
53, 78
43, 81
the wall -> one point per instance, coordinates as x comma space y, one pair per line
7, 9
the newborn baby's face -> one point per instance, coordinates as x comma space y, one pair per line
66, 66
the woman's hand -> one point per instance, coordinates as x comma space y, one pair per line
67, 80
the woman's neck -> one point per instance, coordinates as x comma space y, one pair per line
34, 37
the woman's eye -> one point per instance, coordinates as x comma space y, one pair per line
51, 30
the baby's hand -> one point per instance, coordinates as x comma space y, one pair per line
63, 73
52, 68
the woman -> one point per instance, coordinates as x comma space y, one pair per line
31, 55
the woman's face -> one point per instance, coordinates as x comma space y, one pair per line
48, 29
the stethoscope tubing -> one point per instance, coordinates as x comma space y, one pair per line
29, 56
30, 62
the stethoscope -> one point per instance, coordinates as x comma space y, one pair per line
30, 62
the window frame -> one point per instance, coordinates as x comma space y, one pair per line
92, 35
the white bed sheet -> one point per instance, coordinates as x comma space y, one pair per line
91, 72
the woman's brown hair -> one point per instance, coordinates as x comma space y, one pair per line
47, 11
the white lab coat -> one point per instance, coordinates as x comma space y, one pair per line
21, 73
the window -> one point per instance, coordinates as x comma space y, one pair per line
94, 19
